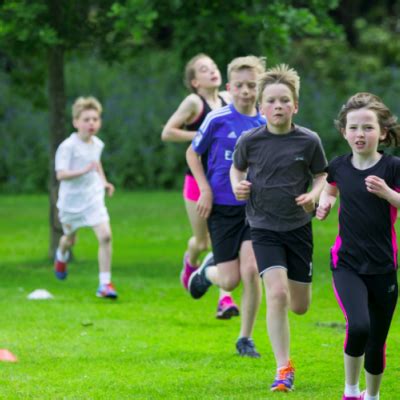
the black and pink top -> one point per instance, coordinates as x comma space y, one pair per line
366, 241
195, 125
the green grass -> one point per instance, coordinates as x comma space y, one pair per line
154, 342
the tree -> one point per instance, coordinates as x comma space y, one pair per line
37, 37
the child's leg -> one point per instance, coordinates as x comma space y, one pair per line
65, 243
225, 275
383, 295
277, 295
300, 296
103, 234
352, 296
251, 295
199, 242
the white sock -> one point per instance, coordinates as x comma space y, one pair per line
62, 257
352, 390
105, 278
369, 397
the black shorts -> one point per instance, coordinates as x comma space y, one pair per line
228, 229
291, 250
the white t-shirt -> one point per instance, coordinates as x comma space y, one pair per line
77, 194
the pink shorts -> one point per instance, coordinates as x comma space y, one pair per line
191, 190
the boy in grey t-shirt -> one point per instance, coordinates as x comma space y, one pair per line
273, 167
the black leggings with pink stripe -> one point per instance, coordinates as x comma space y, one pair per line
368, 303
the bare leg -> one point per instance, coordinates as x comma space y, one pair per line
278, 300
251, 295
199, 242
373, 383
103, 234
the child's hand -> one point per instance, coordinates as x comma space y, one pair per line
307, 201
323, 211
110, 189
93, 166
204, 204
377, 186
242, 190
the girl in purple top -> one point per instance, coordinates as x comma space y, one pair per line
364, 256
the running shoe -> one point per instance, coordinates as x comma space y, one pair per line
227, 308
107, 291
60, 269
361, 397
246, 348
198, 283
187, 271
284, 379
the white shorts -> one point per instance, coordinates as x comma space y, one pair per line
92, 216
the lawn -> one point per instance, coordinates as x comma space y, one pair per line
154, 342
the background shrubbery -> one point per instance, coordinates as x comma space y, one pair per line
140, 94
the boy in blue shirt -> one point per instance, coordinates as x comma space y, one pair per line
230, 235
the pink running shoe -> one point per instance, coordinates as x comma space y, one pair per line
361, 397
187, 271
227, 308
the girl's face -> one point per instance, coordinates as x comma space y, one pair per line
207, 74
363, 132
278, 106
88, 123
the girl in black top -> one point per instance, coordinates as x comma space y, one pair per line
364, 255
203, 78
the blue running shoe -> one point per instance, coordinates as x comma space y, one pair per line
284, 379
107, 291
246, 348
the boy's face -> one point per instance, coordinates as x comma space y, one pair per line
242, 86
207, 74
278, 106
88, 123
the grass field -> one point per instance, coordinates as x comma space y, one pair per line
154, 342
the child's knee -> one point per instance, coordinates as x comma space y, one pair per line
300, 309
229, 283
105, 238
278, 296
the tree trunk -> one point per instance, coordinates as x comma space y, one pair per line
57, 104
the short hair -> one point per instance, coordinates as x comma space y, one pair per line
282, 73
190, 72
257, 64
387, 121
85, 103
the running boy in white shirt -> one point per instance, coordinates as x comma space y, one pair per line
82, 189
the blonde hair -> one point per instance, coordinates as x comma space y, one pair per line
190, 72
257, 64
387, 121
280, 74
85, 103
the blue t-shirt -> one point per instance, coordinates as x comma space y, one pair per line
218, 135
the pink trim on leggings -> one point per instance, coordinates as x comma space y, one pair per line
344, 312
191, 189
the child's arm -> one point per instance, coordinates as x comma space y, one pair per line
240, 186
380, 188
68, 174
308, 200
204, 204
326, 201
172, 131
110, 189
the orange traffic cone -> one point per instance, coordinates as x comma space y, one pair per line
6, 355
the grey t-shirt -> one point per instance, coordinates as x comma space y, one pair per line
280, 168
